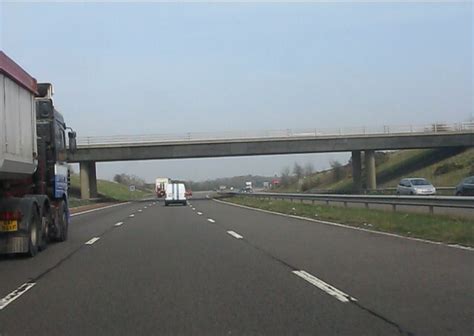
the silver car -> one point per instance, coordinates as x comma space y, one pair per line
415, 186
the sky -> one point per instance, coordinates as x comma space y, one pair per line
154, 68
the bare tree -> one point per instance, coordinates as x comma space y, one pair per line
308, 169
298, 170
285, 177
338, 170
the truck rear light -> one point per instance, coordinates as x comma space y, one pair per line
10, 215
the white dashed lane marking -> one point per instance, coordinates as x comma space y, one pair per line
118, 224
15, 294
333, 291
211, 220
235, 234
132, 215
199, 213
92, 241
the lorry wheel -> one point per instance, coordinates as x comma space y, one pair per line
34, 234
45, 234
62, 222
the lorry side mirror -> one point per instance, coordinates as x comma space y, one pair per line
72, 141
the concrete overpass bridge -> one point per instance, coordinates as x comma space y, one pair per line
202, 145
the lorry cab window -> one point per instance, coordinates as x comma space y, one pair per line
60, 142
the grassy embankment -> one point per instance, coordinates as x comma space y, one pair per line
439, 228
108, 192
442, 167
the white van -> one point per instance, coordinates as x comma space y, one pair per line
175, 194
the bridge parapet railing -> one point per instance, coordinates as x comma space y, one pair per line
282, 133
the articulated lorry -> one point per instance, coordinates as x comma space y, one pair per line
33, 170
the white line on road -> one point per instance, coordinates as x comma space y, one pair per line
118, 224
15, 294
348, 226
140, 210
97, 209
131, 215
194, 209
211, 220
92, 241
199, 213
333, 291
235, 234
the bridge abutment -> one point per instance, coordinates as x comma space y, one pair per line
370, 172
356, 172
88, 180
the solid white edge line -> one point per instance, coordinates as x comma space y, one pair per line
350, 227
97, 209
235, 234
333, 291
92, 241
15, 294
211, 220
118, 224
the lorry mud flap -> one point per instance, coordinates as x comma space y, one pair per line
13, 244
17, 242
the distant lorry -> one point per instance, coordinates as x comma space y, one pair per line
248, 187
34, 174
160, 186
175, 194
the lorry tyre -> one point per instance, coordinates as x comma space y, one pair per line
45, 224
62, 223
34, 233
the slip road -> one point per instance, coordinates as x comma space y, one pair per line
214, 269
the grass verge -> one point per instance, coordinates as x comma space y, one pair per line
447, 229
75, 202
112, 191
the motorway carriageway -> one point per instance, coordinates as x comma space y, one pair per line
214, 269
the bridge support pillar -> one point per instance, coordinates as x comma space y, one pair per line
370, 170
88, 180
356, 172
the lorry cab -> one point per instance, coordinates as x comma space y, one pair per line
51, 131
175, 194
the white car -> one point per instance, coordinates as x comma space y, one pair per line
415, 186
175, 194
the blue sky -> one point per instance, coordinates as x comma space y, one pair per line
174, 68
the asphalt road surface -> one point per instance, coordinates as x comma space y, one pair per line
216, 269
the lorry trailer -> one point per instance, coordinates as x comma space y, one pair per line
160, 186
34, 174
